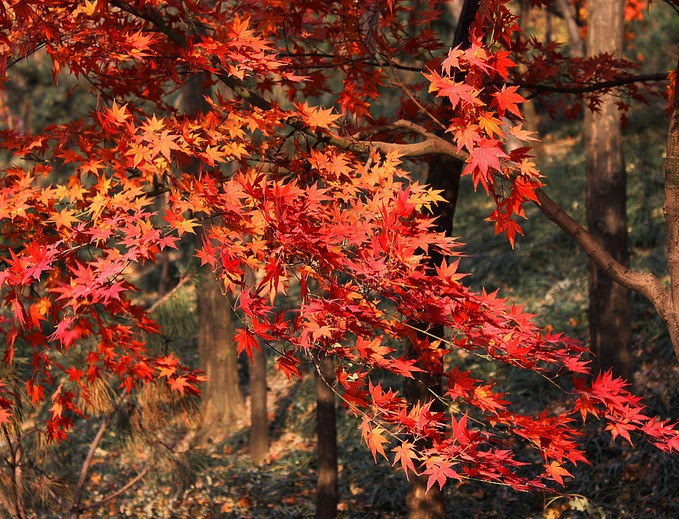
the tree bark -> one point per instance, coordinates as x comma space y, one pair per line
444, 174
222, 400
671, 212
420, 503
609, 302
259, 423
327, 492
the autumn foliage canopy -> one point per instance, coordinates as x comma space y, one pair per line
295, 166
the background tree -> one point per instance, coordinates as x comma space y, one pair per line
259, 413
609, 316
222, 399
327, 486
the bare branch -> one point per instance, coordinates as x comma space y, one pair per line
643, 282
417, 103
594, 87
432, 144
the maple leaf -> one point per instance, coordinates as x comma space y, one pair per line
467, 136
64, 218
184, 225
164, 144
317, 117
117, 114
452, 60
179, 384
140, 43
490, 125
556, 471
288, 365
621, 428
506, 100
501, 62
439, 471
167, 366
5, 415
374, 438
486, 155
521, 134
406, 455
246, 342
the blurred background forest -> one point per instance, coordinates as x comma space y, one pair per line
154, 456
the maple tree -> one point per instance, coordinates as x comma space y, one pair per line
275, 179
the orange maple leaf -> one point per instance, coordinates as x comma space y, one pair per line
317, 117
556, 472
374, 438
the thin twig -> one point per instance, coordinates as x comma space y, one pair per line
87, 464
115, 494
170, 294
417, 103
593, 87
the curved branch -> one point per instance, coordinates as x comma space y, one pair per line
643, 282
432, 144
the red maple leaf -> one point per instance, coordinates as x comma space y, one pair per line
507, 100
439, 471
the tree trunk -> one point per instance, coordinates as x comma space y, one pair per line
422, 504
444, 174
327, 487
327, 492
259, 423
671, 211
609, 303
222, 400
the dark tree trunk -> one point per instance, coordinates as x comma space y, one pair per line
259, 421
444, 174
609, 303
222, 399
259, 428
327, 493
422, 504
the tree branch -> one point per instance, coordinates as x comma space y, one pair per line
154, 17
594, 87
432, 143
643, 282
118, 492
